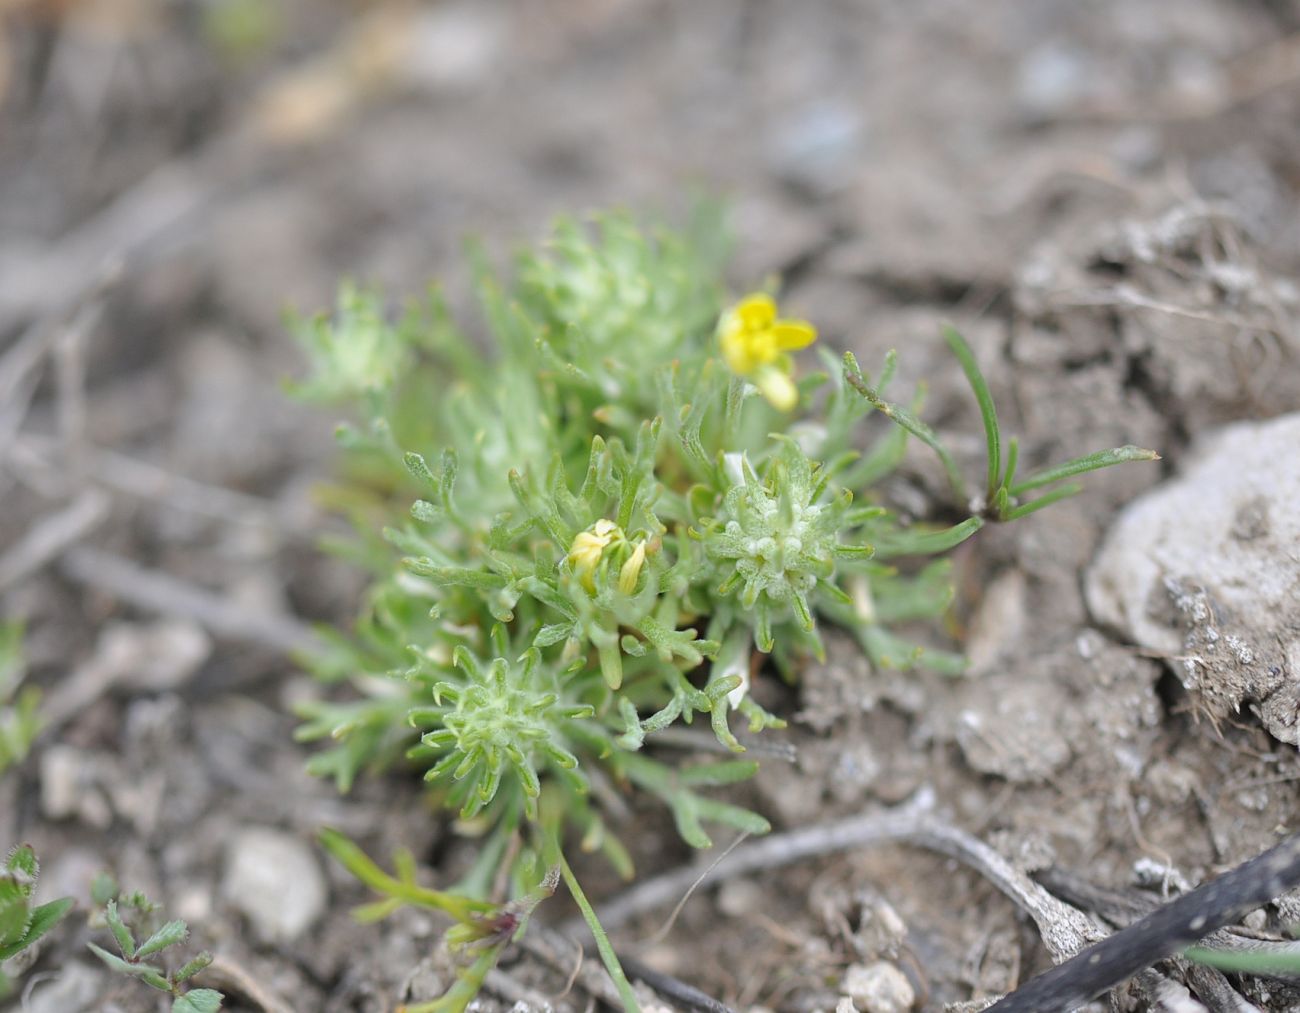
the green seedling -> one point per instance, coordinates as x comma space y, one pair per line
21, 923
603, 514
140, 938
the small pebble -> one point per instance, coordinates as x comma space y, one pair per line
878, 988
273, 879
61, 785
741, 897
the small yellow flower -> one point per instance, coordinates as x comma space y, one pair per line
605, 541
587, 548
630, 570
755, 344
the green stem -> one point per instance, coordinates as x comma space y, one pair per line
607, 954
897, 413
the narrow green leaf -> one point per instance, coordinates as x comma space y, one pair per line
911, 542
1013, 458
168, 935
552, 634
725, 772
1045, 500
423, 510
1270, 964
125, 941
1082, 465
988, 413
122, 966
360, 865
193, 967
480, 580
686, 818
420, 471
45, 918
732, 815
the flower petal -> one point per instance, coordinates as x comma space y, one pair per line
778, 388
631, 569
793, 334
735, 350
756, 311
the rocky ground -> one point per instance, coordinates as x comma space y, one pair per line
1102, 196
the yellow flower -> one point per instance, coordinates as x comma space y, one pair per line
605, 540
630, 570
755, 344
587, 548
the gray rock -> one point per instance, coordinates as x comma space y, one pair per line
274, 880
1205, 569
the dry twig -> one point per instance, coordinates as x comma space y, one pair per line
52, 536
146, 481
225, 973
169, 595
1065, 930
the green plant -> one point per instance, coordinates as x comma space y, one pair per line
21, 924
131, 916
19, 721
618, 512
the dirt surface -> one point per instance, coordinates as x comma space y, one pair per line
1102, 196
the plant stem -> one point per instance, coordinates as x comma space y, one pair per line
607, 954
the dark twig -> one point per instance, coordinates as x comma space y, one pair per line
1166, 931
681, 994
1123, 907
